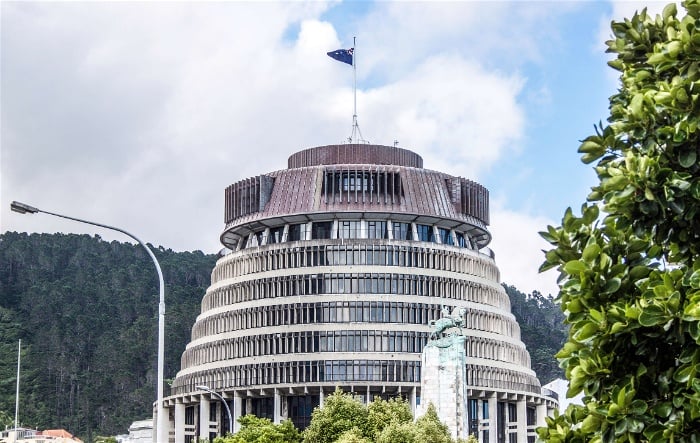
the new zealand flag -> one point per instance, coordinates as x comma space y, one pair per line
342, 55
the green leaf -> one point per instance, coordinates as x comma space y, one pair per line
684, 374
663, 410
591, 252
687, 158
695, 280
590, 423
585, 332
669, 11
574, 267
652, 315
612, 285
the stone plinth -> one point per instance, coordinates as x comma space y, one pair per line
444, 382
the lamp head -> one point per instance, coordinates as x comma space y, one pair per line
203, 388
23, 208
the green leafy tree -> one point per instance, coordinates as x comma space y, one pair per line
341, 412
382, 413
398, 432
429, 428
262, 430
354, 435
630, 264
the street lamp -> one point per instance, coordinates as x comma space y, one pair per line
161, 424
228, 410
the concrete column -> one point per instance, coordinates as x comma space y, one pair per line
237, 407
541, 414
164, 423
521, 410
334, 229
179, 422
436, 235
320, 398
204, 406
277, 407
390, 229
412, 400
493, 419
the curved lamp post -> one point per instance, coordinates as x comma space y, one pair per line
228, 410
161, 427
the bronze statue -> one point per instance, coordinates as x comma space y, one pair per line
447, 321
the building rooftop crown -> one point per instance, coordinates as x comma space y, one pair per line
353, 154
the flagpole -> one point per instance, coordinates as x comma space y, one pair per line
354, 72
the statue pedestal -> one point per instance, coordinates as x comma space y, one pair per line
444, 382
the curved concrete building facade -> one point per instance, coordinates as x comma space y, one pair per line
335, 268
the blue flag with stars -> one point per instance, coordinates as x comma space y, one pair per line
342, 55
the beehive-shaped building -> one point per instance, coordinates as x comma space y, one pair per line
334, 269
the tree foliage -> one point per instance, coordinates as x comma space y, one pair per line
542, 329
86, 311
345, 419
262, 430
381, 413
630, 264
341, 412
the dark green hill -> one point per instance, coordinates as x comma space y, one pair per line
542, 330
86, 311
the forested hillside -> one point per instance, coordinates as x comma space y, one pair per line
542, 330
86, 311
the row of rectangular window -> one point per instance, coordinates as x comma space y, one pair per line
317, 284
305, 371
352, 186
276, 373
307, 342
355, 254
355, 229
322, 312
342, 341
343, 312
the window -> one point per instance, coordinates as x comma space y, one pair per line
377, 229
350, 229
402, 231
295, 232
275, 235
425, 233
445, 237
462, 242
357, 181
321, 230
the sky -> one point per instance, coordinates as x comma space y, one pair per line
139, 114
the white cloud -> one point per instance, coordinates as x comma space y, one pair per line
461, 117
140, 114
518, 248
